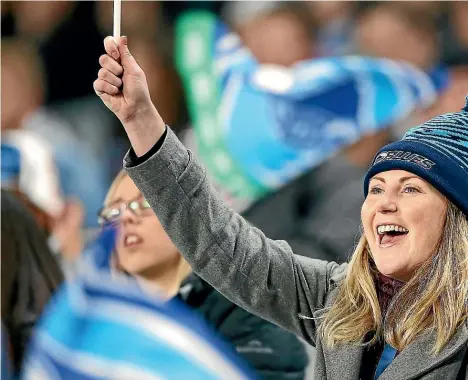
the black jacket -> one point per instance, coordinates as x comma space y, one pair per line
271, 351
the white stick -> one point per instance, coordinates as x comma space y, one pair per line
117, 16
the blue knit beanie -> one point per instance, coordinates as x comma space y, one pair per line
436, 151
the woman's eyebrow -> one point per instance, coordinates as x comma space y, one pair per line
378, 179
404, 179
118, 200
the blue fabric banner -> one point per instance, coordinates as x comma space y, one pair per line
258, 127
97, 327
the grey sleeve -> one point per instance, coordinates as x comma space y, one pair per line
261, 275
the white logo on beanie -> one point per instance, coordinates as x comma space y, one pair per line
401, 155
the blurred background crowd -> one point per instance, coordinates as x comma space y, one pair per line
70, 146
49, 62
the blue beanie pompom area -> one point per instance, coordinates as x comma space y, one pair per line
436, 151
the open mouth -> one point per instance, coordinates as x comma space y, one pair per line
132, 240
390, 234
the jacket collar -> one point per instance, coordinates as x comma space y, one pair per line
417, 358
344, 361
413, 361
193, 290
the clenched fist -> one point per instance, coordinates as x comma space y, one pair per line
122, 86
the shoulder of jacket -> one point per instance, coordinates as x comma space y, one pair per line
338, 274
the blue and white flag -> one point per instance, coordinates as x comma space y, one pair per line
258, 127
97, 327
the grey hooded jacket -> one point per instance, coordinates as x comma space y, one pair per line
264, 276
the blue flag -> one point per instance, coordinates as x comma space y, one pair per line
97, 327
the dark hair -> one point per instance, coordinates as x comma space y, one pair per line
30, 273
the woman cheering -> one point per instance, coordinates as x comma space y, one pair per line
397, 310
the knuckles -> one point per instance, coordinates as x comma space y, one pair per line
104, 87
102, 73
96, 86
106, 62
103, 59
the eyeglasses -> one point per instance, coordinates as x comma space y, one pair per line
112, 214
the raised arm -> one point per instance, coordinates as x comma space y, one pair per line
259, 274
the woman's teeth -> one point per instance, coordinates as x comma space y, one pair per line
390, 227
132, 239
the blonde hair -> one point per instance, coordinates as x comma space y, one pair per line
434, 299
183, 269
113, 187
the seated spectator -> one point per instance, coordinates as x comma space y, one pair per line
380, 26
22, 109
275, 32
39, 20
145, 252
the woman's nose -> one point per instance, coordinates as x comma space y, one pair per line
387, 205
127, 216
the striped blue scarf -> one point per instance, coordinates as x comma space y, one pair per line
97, 327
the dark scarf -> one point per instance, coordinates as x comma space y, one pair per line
386, 289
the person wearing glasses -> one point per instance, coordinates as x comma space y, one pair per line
145, 252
